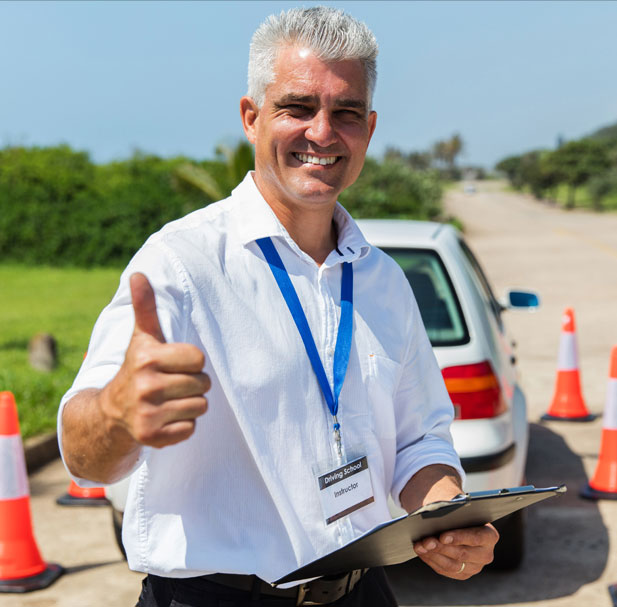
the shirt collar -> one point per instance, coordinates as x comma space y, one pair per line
258, 221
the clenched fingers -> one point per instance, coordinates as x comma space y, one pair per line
472, 547
168, 358
168, 423
157, 388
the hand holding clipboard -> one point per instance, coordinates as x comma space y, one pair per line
391, 543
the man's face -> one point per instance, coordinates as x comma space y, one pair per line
312, 132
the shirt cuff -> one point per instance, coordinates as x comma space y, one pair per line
425, 453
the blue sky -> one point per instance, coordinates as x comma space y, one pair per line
166, 77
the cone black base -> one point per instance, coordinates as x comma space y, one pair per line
553, 418
35, 582
593, 494
71, 500
612, 590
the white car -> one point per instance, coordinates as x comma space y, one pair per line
464, 322
463, 319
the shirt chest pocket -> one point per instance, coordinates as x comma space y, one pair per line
381, 378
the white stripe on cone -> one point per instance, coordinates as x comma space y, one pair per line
610, 412
568, 353
13, 478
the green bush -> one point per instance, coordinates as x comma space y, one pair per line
603, 190
584, 168
58, 208
390, 189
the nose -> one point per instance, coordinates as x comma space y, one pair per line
321, 130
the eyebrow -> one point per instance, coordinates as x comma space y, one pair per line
342, 102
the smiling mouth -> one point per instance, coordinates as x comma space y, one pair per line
308, 159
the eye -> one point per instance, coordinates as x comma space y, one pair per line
347, 113
297, 109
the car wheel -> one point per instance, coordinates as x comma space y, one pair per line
116, 519
510, 548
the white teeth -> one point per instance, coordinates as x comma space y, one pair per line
315, 160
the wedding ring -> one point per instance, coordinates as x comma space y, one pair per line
461, 569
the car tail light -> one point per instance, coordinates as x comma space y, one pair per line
474, 390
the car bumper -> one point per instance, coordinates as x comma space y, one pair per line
492, 461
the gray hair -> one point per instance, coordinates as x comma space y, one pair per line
330, 33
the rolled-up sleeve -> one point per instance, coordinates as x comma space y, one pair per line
113, 329
423, 411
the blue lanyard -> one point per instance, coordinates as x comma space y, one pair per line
345, 328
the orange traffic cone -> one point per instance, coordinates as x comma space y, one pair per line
21, 566
79, 496
603, 485
568, 403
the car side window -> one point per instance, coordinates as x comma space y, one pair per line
437, 301
485, 286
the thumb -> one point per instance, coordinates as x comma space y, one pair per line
144, 306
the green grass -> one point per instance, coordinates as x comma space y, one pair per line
62, 301
583, 200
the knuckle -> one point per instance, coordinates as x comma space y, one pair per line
146, 427
464, 555
144, 434
143, 358
145, 386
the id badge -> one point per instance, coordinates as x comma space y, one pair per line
345, 489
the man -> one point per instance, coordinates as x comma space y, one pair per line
273, 303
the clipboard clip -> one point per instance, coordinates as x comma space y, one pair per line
510, 491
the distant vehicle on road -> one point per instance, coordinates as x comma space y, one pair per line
464, 322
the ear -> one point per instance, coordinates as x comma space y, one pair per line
249, 113
372, 123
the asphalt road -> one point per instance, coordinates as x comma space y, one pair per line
571, 260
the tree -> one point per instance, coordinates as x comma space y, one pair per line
217, 180
601, 186
576, 162
446, 153
391, 189
416, 160
511, 167
454, 147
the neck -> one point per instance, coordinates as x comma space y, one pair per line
313, 231
311, 227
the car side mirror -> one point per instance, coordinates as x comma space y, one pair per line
521, 299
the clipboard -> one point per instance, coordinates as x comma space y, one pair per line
391, 543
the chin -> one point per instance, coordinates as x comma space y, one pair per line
316, 190
322, 196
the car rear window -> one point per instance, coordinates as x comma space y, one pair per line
432, 287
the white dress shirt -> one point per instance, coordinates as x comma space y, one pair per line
240, 495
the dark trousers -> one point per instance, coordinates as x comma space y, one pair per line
373, 590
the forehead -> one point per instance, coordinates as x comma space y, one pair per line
298, 70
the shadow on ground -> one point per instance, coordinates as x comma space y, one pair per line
86, 567
567, 542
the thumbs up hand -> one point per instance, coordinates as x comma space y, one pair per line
158, 393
